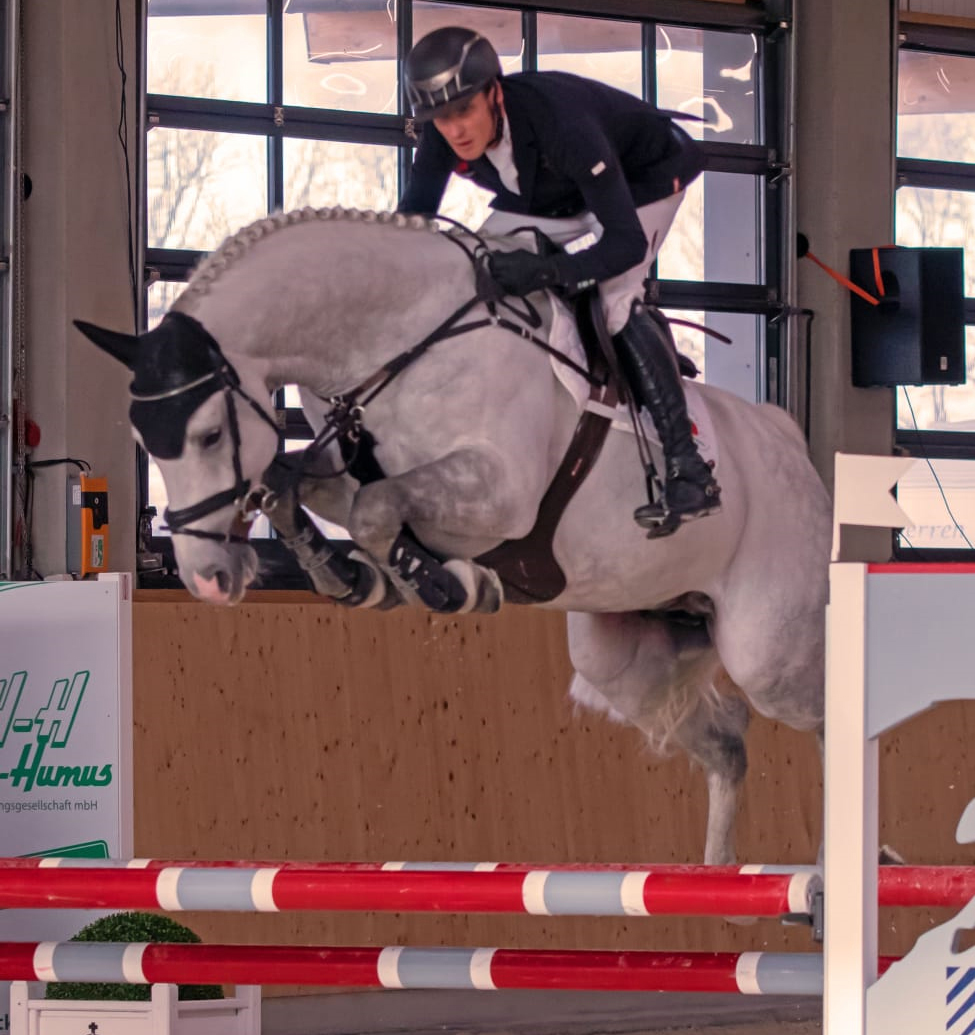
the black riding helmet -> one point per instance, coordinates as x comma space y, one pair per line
446, 66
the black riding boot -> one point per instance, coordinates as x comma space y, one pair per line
690, 490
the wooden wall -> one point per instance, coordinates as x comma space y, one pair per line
291, 728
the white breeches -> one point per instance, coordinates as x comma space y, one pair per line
618, 293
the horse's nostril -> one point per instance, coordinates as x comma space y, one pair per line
218, 577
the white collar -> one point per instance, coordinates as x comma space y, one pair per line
502, 157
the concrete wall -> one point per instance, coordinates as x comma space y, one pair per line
76, 258
844, 170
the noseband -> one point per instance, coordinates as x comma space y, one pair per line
226, 380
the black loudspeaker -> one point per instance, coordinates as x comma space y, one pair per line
916, 335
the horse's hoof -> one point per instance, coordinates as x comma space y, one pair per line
490, 595
890, 857
372, 589
485, 593
437, 586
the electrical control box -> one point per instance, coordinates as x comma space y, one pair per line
87, 525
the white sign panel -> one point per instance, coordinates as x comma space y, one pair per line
65, 734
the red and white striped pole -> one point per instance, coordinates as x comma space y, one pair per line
751, 973
703, 892
947, 886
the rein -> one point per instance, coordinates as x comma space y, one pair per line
344, 423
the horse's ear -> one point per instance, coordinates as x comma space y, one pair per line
124, 347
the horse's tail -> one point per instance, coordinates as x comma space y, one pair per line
694, 689
693, 694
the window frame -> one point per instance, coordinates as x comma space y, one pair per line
276, 121
935, 174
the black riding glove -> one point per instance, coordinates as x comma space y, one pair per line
522, 272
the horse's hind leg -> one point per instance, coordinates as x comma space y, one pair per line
713, 735
665, 678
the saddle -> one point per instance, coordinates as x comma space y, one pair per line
527, 566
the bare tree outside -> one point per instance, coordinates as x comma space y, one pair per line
323, 173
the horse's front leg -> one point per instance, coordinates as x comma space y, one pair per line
453, 503
349, 577
294, 482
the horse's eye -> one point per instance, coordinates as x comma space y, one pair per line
210, 439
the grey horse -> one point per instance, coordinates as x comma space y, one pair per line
677, 636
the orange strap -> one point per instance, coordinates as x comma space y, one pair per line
847, 283
877, 277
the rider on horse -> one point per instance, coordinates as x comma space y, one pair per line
554, 145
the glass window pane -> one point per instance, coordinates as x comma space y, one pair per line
735, 367
935, 116
159, 297
927, 218
502, 28
713, 75
939, 498
716, 235
940, 407
222, 56
203, 186
690, 341
323, 173
610, 51
343, 59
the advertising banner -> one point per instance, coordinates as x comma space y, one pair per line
65, 734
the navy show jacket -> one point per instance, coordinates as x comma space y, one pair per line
578, 145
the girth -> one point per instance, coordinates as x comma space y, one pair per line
527, 566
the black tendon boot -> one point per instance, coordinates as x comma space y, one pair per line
690, 490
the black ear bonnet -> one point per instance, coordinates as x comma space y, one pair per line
178, 366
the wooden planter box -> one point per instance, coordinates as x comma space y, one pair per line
164, 1014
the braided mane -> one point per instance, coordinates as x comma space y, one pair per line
239, 244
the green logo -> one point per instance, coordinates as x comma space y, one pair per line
48, 729
82, 850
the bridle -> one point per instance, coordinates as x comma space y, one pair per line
246, 503
343, 424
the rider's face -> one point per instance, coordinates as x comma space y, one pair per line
470, 127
